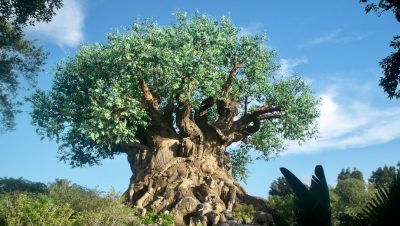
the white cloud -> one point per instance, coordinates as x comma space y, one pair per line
66, 26
350, 124
251, 29
336, 36
287, 65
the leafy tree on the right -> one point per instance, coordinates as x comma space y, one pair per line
391, 64
383, 176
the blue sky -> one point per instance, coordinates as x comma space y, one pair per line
332, 44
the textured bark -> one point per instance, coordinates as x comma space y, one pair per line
188, 179
181, 165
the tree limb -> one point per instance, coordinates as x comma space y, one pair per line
231, 76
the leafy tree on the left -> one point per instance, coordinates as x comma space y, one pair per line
19, 58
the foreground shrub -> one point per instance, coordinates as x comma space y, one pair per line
161, 219
31, 209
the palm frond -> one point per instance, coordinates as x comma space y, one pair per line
384, 208
313, 206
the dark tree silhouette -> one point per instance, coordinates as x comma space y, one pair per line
391, 64
19, 58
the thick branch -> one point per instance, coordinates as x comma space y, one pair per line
250, 123
260, 113
169, 112
148, 96
205, 105
186, 126
151, 104
231, 76
241, 134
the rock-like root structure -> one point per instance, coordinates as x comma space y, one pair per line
186, 180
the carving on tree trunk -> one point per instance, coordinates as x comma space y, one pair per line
174, 177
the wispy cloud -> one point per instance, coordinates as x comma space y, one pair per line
66, 27
251, 29
287, 65
351, 124
336, 36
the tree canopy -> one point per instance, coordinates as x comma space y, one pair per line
19, 58
383, 176
195, 77
347, 174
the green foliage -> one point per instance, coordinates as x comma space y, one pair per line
353, 196
281, 202
244, 212
280, 187
240, 158
383, 176
96, 101
110, 211
33, 209
162, 219
347, 173
391, 75
19, 58
21, 185
78, 197
22, 13
312, 205
282, 209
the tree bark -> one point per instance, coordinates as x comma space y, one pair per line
186, 178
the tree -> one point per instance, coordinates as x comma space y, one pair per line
173, 99
281, 202
21, 185
383, 176
280, 187
391, 64
347, 174
352, 195
19, 58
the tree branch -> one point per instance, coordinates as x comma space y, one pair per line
231, 76
250, 123
247, 118
187, 127
151, 104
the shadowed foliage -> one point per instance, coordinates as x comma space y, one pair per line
384, 208
391, 64
19, 58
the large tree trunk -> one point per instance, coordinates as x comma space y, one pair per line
188, 179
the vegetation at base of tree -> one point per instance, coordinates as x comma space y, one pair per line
282, 209
19, 58
161, 219
33, 209
64, 203
244, 212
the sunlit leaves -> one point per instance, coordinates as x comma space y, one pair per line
97, 101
